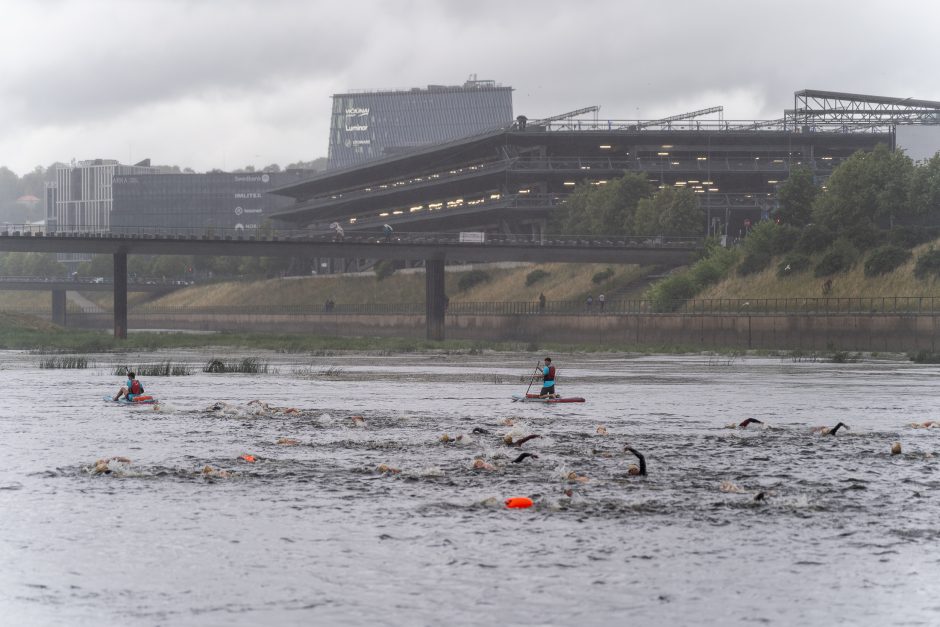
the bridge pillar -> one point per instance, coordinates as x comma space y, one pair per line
120, 295
58, 307
434, 298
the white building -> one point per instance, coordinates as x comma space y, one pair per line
83, 196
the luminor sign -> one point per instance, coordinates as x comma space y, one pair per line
356, 112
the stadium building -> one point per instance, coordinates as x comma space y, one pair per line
509, 179
369, 125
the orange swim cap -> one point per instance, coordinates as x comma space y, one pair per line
518, 502
248, 458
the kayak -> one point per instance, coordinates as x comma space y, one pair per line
533, 398
144, 399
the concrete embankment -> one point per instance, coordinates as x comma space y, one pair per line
856, 332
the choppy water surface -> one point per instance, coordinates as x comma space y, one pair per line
314, 534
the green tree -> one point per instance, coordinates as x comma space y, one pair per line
171, 266
601, 209
925, 190
100, 265
31, 264
870, 188
670, 211
317, 164
796, 197
35, 182
9, 192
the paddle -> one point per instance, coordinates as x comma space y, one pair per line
532, 380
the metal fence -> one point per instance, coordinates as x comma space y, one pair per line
885, 305
888, 305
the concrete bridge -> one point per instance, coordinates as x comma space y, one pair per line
60, 285
434, 248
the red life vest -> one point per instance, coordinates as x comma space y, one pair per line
551, 374
136, 387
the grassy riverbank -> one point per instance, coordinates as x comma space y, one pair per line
851, 283
491, 283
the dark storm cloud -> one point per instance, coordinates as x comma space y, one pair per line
75, 65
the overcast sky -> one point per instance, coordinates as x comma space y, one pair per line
228, 83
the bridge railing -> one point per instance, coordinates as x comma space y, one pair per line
360, 237
87, 280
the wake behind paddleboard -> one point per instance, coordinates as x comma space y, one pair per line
535, 399
140, 400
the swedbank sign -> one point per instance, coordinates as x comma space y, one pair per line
252, 178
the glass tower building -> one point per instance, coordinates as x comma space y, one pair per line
374, 124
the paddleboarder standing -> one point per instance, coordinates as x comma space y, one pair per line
548, 379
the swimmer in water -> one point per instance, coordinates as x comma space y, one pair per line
744, 424
385, 469
480, 464
507, 439
601, 430
829, 431
209, 471
733, 488
576, 478
358, 421
460, 439
633, 469
480, 431
929, 424
102, 466
523, 456
288, 441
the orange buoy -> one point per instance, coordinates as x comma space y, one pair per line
518, 502
248, 458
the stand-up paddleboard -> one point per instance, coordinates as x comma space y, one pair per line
143, 399
529, 398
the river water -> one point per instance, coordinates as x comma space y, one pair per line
313, 533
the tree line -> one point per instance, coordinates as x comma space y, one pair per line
871, 190
628, 206
873, 210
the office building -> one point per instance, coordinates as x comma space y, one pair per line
370, 125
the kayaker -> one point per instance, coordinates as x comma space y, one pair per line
132, 388
548, 380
